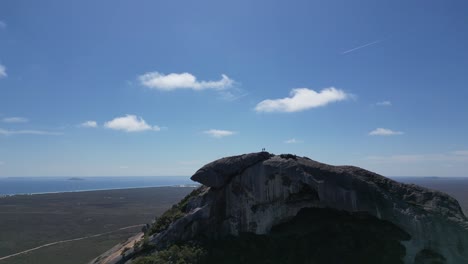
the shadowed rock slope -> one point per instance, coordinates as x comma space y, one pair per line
265, 208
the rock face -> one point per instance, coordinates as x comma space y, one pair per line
259, 192
217, 173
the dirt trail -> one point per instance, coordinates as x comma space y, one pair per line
66, 241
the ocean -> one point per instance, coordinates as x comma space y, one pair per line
35, 185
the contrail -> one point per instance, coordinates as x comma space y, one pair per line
363, 46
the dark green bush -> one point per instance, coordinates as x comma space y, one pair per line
177, 211
184, 254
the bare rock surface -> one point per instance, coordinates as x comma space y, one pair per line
217, 173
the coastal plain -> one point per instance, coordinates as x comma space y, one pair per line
29, 221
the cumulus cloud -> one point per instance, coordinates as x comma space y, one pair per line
3, 73
15, 120
130, 123
302, 99
217, 133
383, 103
173, 81
89, 123
292, 141
384, 132
28, 132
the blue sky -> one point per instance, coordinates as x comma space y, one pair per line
95, 88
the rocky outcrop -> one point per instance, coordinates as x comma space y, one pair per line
217, 173
258, 192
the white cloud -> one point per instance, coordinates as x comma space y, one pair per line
173, 81
15, 120
3, 73
302, 99
130, 123
383, 103
3, 25
292, 141
28, 132
217, 133
89, 123
384, 132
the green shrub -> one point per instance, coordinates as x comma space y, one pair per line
175, 254
177, 211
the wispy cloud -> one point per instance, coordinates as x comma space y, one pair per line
460, 153
90, 124
383, 103
6, 132
454, 156
3, 25
292, 141
15, 119
190, 162
1, 163
3, 73
302, 99
362, 46
384, 132
130, 123
174, 81
217, 133
232, 94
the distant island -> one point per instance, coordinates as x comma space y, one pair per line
76, 179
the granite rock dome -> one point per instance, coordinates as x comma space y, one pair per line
257, 193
